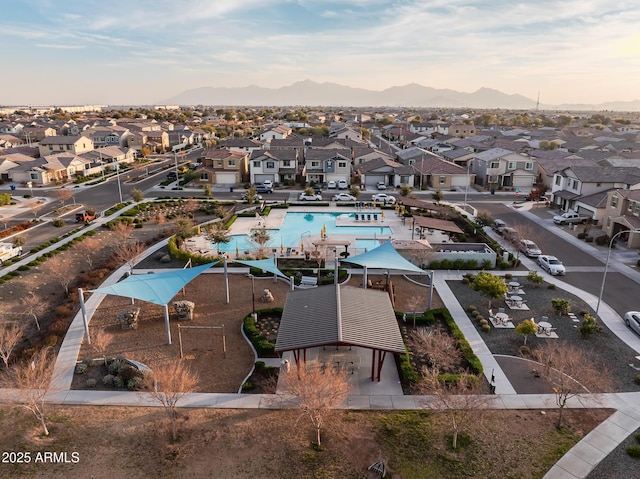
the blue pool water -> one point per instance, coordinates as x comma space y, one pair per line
296, 225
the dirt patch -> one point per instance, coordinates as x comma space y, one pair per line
133, 442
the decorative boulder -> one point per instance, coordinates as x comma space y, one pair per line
266, 297
129, 318
184, 310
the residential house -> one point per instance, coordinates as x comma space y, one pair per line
322, 165
279, 166
242, 145
574, 182
290, 143
10, 141
622, 214
56, 168
500, 168
461, 130
280, 132
222, 167
181, 139
382, 170
439, 174
34, 134
107, 135
65, 144
346, 133
363, 154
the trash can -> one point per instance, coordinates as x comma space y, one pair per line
493, 192
231, 189
13, 187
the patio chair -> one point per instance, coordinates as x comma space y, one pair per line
491, 315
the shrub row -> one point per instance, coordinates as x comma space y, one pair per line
262, 345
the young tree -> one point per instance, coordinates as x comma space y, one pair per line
571, 372
128, 253
218, 233
32, 381
439, 349
461, 401
33, 306
100, 342
489, 285
534, 278
10, 334
207, 191
122, 230
58, 270
87, 248
561, 306
260, 237
525, 328
171, 381
317, 393
137, 195
62, 195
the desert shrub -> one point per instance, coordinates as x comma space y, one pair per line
128, 372
51, 340
634, 451
486, 328
582, 236
602, 240
525, 350
91, 383
58, 223
116, 367
508, 276
475, 313
472, 308
583, 312
483, 322
89, 362
551, 286
260, 365
534, 277
589, 239
466, 280
589, 326
561, 306
135, 383
81, 368
248, 386
118, 382
407, 371
108, 380
63, 311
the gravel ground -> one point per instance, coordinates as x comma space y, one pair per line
604, 347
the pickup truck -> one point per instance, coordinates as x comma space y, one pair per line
571, 217
85, 216
8, 251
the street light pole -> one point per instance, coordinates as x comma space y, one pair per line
466, 187
606, 265
253, 296
118, 177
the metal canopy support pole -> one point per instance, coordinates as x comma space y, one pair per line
364, 278
84, 316
166, 323
226, 279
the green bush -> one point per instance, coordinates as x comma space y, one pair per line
248, 386
58, 223
407, 372
634, 451
108, 380
91, 383
81, 368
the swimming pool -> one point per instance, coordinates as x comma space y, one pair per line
296, 225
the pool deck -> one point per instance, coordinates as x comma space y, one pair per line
400, 229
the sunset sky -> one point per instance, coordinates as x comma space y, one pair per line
142, 51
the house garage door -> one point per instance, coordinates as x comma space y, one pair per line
372, 180
262, 178
226, 178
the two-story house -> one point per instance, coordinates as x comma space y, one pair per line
222, 167
107, 135
623, 214
322, 165
573, 185
500, 168
278, 166
280, 132
65, 144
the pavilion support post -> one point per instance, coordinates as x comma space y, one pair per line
84, 316
373, 362
226, 279
364, 278
431, 274
381, 356
166, 323
335, 273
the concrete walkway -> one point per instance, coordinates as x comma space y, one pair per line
577, 463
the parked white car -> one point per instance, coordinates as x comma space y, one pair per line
305, 197
344, 197
331, 185
632, 318
343, 185
529, 248
381, 185
551, 264
384, 198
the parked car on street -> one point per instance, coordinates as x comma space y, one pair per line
632, 318
498, 225
551, 264
263, 188
344, 197
305, 197
384, 198
529, 248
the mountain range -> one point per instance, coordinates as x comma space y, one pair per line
310, 93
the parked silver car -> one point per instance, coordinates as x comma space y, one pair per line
551, 264
529, 248
632, 318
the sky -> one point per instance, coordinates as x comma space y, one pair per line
70, 52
